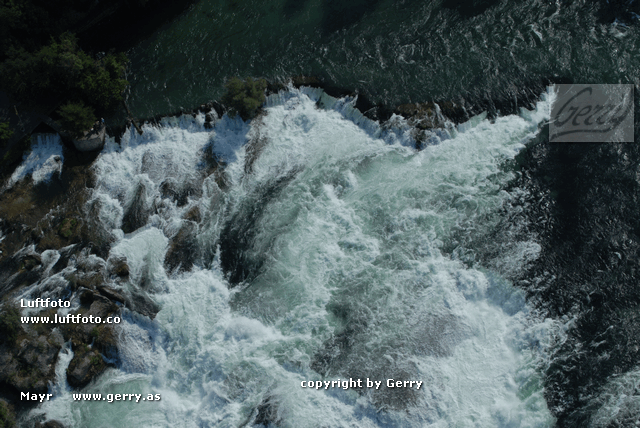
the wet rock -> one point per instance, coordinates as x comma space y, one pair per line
422, 116
311, 81
209, 119
89, 280
239, 233
193, 214
13, 274
253, 149
89, 340
99, 236
137, 211
93, 305
7, 415
267, 413
49, 424
30, 261
66, 254
118, 266
92, 140
85, 367
111, 294
183, 249
169, 189
453, 111
29, 365
101, 307
56, 337
141, 303
179, 192
39, 353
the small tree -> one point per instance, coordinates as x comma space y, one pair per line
245, 97
76, 118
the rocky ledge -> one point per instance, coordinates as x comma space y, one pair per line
52, 245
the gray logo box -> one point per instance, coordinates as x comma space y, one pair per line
591, 113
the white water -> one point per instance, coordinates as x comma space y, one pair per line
353, 242
44, 159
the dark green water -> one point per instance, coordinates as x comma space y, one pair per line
395, 51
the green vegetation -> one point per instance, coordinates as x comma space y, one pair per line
9, 323
96, 360
61, 72
7, 418
244, 97
5, 133
43, 67
76, 118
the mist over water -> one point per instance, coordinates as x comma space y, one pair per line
336, 236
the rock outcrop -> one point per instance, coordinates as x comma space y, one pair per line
92, 140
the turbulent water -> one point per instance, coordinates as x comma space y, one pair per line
333, 250
313, 244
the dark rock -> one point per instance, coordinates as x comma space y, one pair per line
111, 294
49, 424
7, 415
208, 120
193, 214
11, 276
88, 280
171, 189
86, 297
429, 115
101, 307
311, 81
84, 367
29, 366
238, 235
87, 361
141, 303
92, 140
267, 414
217, 107
118, 266
30, 261
137, 210
183, 249
453, 111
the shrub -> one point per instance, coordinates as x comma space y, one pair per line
9, 323
244, 97
76, 118
96, 360
61, 70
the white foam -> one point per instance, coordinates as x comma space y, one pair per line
354, 237
44, 160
